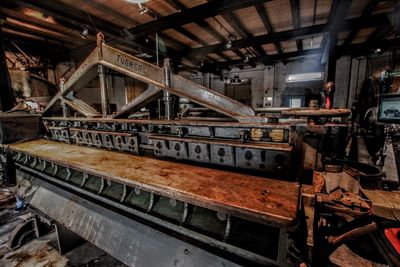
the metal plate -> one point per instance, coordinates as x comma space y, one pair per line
132, 243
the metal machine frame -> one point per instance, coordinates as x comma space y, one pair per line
203, 206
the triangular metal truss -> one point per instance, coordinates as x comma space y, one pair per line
158, 78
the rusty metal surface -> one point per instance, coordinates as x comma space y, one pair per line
129, 241
317, 112
140, 101
81, 107
146, 72
188, 122
257, 145
86, 72
250, 197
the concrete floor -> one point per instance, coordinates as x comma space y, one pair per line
42, 252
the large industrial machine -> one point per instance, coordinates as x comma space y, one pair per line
180, 188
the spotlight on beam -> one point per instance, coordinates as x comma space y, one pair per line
142, 9
84, 33
228, 44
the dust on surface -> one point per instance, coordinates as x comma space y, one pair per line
37, 253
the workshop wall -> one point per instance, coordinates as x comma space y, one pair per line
266, 81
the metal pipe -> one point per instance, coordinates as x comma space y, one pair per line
167, 96
103, 91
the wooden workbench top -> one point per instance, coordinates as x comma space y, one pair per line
251, 197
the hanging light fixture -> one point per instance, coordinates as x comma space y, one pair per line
228, 44
84, 33
142, 9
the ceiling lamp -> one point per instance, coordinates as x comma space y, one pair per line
228, 44
142, 9
85, 32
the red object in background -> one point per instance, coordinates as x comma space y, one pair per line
328, 102
393, 235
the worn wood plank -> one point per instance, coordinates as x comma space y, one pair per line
260, 199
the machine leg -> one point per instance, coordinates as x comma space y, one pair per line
67, 240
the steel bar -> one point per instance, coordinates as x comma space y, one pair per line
105, 107
149, 73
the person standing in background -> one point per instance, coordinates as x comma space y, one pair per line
329, 91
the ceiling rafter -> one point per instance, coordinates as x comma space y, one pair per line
155, 15
353, 49
285, 35
295, 8
364, 15
268, 26
19, 25
204, 25
180, 6
233, 20
32, 32
176, 4
108, 10
68, 16
7, 12
202, 11
268, 59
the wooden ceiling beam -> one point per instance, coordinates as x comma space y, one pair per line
74, 19
176, 4
195, 38
40, 31
27, 31
351, 49
364, 15
380, 33
110, 11
13, 13
238, 27
267, 60
268, 26
67, 16
268, 38
367, 48
202, 11
180, 6
295, 8
34, 44
214, 33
